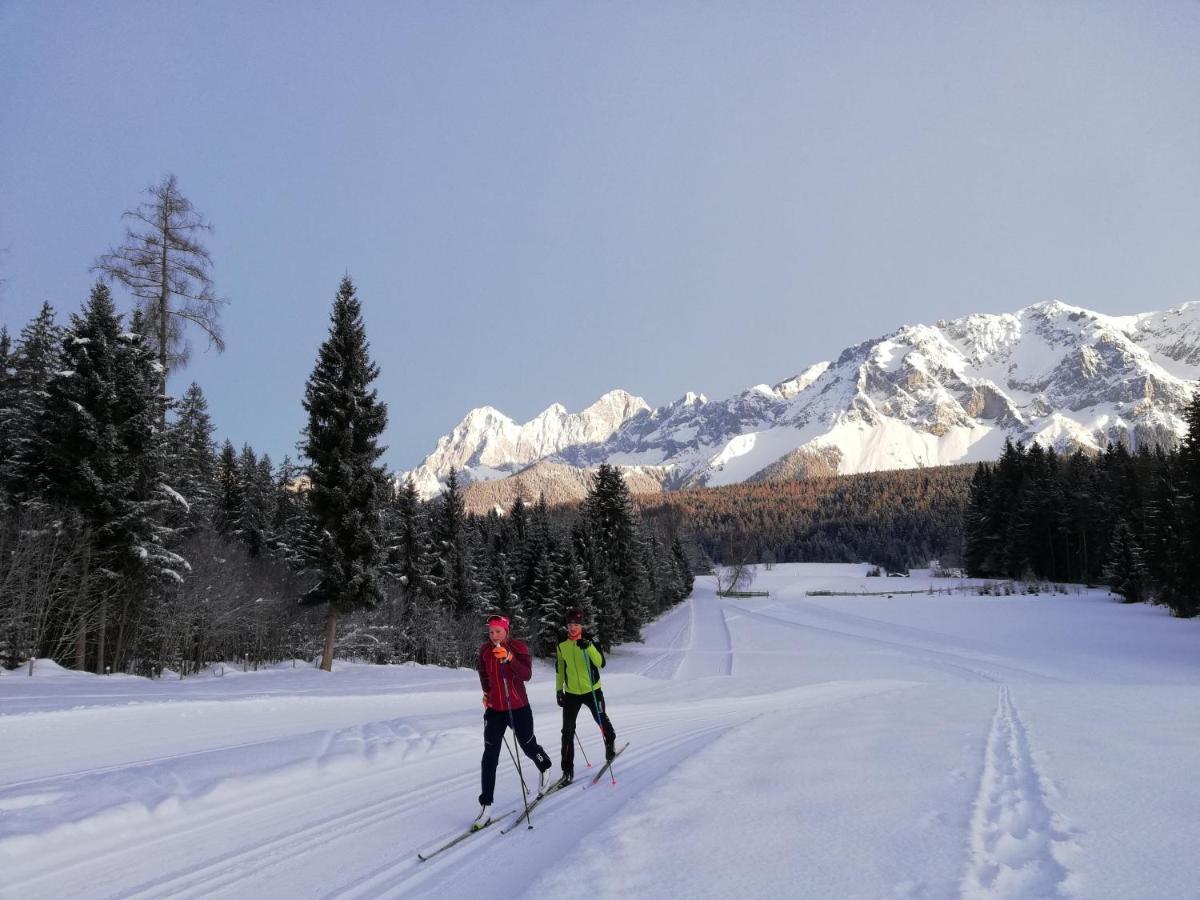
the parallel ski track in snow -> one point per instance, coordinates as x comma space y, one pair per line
666, 665
74, 774
246, 863
391, 796
710, 651
391, 804
1015, 841
141, 699
404, 878
977, 669
252, 807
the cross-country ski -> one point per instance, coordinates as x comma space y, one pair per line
474, 828
604, 770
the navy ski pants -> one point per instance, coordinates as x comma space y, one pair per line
495, 722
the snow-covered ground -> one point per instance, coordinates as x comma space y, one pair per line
791, 745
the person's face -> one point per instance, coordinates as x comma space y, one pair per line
574, 630
497, 633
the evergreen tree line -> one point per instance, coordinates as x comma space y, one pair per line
129, 542
126, 545
531, 564
895, 519
1128, 520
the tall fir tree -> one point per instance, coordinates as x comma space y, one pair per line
452, 573
289, 513
616, 556
684, 569
1183, 598
8, 411
105, 458
412, 543
36, 359
1126, 570
230, 499
345, 421
191, 463
256, 484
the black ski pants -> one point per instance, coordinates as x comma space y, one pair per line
495, 722
571, 706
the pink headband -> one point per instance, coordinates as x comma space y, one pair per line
499, 620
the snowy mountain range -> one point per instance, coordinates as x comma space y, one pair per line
925, 395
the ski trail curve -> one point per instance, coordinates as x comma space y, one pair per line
665, 666
710, 651
1017, 842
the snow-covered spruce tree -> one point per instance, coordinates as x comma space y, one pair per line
1165, 532
345, 420
601, 590
651, 551
528, 544
264, 478
686, 578
452, 570
1182, 596
1125, 569
572, 584
8, 411
408, 553
545, 606
289, 514
35, 359
978, 538
256, 485
518, 520
191, 467
497, 581
104, 458
152, 520
609, 516
227, 513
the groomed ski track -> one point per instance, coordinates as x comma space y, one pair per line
828, 746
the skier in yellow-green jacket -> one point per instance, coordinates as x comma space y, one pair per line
577, 684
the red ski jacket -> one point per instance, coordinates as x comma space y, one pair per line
515, 673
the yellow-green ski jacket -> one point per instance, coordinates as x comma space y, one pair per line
578, 671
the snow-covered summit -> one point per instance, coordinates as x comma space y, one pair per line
1062, 375
487, 444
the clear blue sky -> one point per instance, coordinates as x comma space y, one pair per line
541, 201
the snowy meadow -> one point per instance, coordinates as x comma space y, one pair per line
814, 742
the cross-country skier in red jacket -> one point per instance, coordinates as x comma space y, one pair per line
504, 666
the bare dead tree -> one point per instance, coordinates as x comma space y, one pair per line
166, 267
738, 570
734, 578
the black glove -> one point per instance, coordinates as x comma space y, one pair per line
561, 698
583, 643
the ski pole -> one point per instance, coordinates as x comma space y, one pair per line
512, 724
511, 755
579, 741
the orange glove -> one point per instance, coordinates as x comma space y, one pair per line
501, 653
